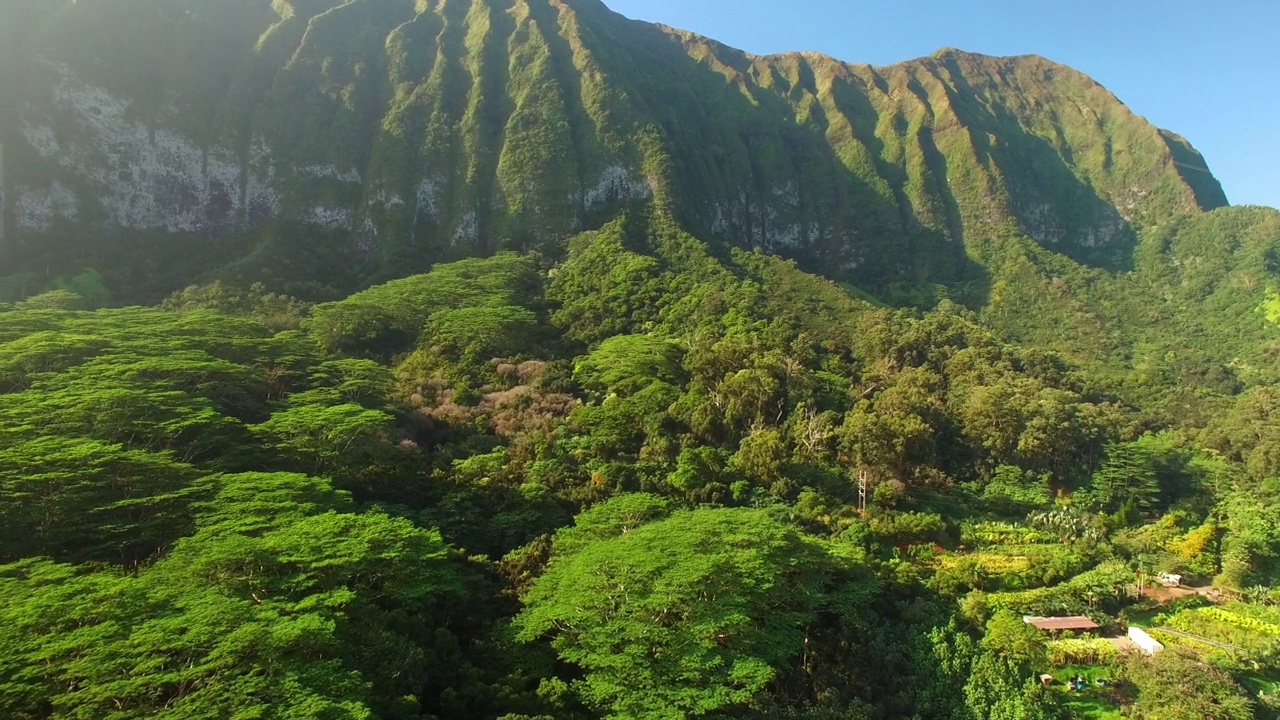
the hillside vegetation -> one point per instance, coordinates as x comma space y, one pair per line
620, 486
321, 145
513, 360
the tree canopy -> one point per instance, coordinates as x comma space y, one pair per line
655, 478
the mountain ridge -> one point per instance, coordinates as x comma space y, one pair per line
622, 459
397, 134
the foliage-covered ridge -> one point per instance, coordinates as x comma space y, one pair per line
375, 138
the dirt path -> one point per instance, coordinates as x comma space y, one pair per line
1124, 644
1163, 594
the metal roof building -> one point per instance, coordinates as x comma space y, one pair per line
1075, 622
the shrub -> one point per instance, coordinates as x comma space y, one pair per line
1083, 651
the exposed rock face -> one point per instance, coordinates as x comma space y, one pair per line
404, 132
131, 174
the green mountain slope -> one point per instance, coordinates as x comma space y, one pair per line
1189, 323
321, 144
486, 393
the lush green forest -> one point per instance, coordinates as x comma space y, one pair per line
514, 360
625, 484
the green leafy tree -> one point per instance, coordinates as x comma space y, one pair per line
77, 500
1000, 689
605, 289
328, 438
275, 311
55, 300
939, 662
474, 335
1175, 686
308, 619
626, 364
1126, 479
763, 455
1010, 484
611, 519
1008, 636
1251, 542
687, 616
700, 473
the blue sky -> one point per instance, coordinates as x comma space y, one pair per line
1207, 70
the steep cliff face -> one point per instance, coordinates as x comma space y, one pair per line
398, 133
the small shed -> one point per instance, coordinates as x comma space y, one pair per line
1058, 624
1149, 645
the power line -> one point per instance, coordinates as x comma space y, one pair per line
1192, 167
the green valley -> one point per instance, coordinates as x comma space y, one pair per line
513, 360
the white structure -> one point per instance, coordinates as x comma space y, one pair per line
1149, 645
1170, 580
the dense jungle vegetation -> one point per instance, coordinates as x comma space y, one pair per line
625, 485
515, 360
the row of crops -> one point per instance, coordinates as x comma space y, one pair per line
1242, 629
1081, 651
996, 533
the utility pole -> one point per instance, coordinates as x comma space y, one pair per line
863, 477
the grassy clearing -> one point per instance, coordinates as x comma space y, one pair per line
1094, 702
1091, 706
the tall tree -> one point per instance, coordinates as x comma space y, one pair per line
688, 616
